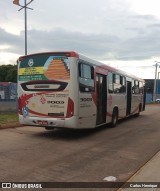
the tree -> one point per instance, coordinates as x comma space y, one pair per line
12, 75
8, 73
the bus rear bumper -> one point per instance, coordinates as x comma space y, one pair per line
50, 122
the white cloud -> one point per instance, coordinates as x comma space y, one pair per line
145, 7
142, 68
108, 30
8, 58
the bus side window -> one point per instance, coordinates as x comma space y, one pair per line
110, 82
86, 77
136, 87
123, 84
117, 86
140, 87
133, 87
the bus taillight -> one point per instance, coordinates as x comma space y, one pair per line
70, 108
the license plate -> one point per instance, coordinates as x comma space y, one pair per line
43, 123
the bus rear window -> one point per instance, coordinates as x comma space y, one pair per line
44, 67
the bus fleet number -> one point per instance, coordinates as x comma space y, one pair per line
85, 99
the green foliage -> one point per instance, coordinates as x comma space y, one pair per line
8, 118
8, 73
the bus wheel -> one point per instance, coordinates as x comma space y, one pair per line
137, 114
114, 117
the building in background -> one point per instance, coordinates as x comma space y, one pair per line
150, 88
8, 91
8, 97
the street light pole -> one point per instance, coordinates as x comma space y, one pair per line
25, 13
16, 2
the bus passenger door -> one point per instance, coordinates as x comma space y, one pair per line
101, 91
129, 97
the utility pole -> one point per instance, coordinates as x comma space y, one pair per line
155, 81
158, 83
25, 18
16, 2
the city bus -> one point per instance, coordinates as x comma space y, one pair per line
70, 90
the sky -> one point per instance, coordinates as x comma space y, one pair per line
121, 33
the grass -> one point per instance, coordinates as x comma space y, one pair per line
8, 118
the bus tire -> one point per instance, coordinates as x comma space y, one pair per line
114, 118
137, 114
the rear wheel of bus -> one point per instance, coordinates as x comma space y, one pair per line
114, 117
140, 108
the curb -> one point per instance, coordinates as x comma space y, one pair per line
10, 125
145, 174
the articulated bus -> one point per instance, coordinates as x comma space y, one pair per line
69, 90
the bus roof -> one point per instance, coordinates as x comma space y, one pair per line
86, 59
63, 53
112, 69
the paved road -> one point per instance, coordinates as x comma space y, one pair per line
34, 154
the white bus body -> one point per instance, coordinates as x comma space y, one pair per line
69, 90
